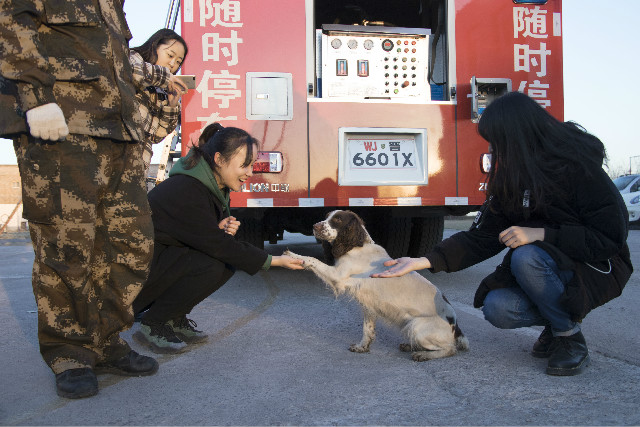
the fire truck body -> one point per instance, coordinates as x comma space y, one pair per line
369, 106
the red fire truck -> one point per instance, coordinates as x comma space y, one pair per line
367, 105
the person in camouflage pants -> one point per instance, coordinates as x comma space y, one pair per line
64, 70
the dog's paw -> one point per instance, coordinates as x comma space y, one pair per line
421, 356
308, 262
291, 254
424, 355
405, 347
358, 348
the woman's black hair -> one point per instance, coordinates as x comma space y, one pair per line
216, 138
149, 49
532, 150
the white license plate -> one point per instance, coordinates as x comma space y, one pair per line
399, 153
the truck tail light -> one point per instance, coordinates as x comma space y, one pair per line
268, 162
485, 162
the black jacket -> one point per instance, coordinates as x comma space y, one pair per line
585, 231
186, 213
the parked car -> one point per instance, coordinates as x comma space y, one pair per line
628, 183
629, 187
632, 200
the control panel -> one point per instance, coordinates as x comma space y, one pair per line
361, 62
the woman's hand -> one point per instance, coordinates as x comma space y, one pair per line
515, 236
287, 262
403, 266
175, 89
230, 225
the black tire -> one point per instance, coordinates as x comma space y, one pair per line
425, 234
395, 236
250, 231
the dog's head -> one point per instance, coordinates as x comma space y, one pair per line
343, 230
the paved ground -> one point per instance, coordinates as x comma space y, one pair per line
277, 355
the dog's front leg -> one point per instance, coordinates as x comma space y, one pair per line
326, 273
368, 333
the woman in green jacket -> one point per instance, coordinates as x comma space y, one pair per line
195, 251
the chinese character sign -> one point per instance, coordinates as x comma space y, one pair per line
532, 50
227, 39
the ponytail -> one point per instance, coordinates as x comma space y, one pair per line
197, 152
215, 138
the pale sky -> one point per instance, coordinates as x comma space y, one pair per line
601, 63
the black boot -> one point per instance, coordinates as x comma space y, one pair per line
77, 383
131, 365
542, 347
569, 355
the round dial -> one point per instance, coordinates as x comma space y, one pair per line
368, 44
336, 43
352, 44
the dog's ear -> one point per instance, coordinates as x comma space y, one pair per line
350, 236
357, 230
328, 253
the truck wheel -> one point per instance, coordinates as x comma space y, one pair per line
425, 234
250, 231
397, 236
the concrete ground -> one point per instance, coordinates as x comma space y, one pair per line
278, 355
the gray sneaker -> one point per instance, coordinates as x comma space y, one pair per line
185, 329
159, 337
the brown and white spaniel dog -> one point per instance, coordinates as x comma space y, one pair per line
409, 302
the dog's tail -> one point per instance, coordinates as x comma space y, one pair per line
462, 343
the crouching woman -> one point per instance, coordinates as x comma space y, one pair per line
563, 221
195, 251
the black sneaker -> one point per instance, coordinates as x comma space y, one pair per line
185, 329
77, 383
159, 337
542, 347
569, 355
131, 365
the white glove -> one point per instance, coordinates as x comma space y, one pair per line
47, 122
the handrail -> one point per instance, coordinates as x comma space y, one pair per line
172, 14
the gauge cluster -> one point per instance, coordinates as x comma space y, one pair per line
369, 65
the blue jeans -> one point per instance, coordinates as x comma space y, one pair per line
536, 301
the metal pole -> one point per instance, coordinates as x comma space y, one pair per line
632, 157
172, 14
175, 16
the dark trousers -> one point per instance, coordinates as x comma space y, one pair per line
180, 278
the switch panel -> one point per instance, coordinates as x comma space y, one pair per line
361, 62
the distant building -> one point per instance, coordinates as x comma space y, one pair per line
11, 199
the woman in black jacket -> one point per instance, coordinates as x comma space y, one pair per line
195, 251
550, 202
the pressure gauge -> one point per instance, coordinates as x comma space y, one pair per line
368, 44
387, 45
336, 43
352, 44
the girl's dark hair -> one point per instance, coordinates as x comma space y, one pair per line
532, 150
149, 49
216, 138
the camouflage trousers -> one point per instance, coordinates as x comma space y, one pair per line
92, 235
